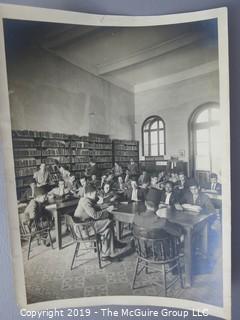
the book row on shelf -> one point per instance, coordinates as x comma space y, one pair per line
27, 163
125, 159
100, 146
71, 150
52, 161
56, 152
26, 144
27, 153
125, 148
126, 153
100, 152
21, 172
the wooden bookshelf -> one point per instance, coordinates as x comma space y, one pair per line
100, 149
124, 150
31, 148
79, 154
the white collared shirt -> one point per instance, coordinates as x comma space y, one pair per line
167, 200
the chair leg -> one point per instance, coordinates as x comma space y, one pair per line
164, 280
50, 238
146, 268
98, 254
180, 274
75, 254
135, 273
29, 246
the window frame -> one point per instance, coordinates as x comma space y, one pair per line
192, 128
157, 119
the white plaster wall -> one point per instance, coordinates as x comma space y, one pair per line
49, 94
175, 104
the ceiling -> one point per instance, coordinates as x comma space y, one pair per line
134, 58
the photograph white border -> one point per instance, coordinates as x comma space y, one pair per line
77, 18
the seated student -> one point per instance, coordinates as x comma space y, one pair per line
149, 225
91, 169
173, 178
127, 176
168, 197
161, 176
143, 191
41, 177
106, 195
36, 212
72, 183
59, 191
81, 190
144, 178
103, 180
117, 170
154, 182
95, 182
87, 209
195, 200
181, 186
120, 185
64, 173
214, 186
154, 189
133, 169
132, 192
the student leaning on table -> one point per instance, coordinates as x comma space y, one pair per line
88, 209
195, 200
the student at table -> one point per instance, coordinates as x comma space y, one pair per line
195, 200
149, 225
107, 195
60, 191
64, 173
41, 177
169, 196
86, 209
181, 187
36, 212
91, 169
133, 169
154, 190
144, 178
213, 186
81, 190
117, 170
143, 191
132, 192
72, 184
95, 181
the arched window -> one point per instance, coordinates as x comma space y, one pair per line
205, 137
153, 137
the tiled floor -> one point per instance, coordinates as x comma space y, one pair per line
48, 277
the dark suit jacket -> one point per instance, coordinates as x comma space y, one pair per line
203, 201
218, 187
149, 225
173, 198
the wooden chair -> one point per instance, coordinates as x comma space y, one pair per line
158, 255
84, 233
37, 229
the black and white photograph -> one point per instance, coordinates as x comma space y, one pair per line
119, 159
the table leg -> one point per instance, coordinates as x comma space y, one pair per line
118, 230
205, 240
188, 258
58, 229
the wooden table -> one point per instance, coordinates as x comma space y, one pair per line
59, 208
190, 222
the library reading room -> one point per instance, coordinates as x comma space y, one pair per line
116, 149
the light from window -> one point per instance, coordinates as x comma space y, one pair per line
153, 137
